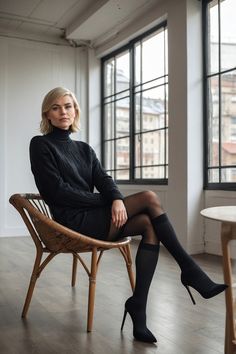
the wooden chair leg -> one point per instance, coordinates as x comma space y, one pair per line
92, 288
33, 279
125, 251
74, 270
129, 267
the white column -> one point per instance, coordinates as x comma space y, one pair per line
184, 200
194, 127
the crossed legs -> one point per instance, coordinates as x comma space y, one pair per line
147, 218
141, 209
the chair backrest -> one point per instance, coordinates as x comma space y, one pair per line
38, 219
47, 233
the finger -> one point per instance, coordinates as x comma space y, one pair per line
124, 217
113, 216
119, 222
115, 221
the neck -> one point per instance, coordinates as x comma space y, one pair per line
60, 134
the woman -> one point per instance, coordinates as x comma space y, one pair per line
66, 172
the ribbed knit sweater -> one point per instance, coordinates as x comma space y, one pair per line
66, 172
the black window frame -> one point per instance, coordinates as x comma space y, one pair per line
130, 47
227, 186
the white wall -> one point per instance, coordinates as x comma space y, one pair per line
28, 71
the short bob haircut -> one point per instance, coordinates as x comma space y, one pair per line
45, 124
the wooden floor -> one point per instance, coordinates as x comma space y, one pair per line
56, 322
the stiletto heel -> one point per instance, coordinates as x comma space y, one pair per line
190, 294
124, 318
198, 280
192, 275
138, 317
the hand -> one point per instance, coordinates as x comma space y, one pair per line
118, 213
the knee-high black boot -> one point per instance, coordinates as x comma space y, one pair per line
191, 274
146, 261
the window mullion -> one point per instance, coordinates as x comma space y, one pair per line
132, 113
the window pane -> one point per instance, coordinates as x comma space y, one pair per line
228, 34
109, 155
137, 63
122, 117
122, 153
166, 105
122, 72
228, 175
167, 148
153, 108
153, 172
228, 125
213, 122
213, 37
137, 112
150, 148
122, 174
109, 77
138, 150
154, 148
153, 58
228, 154
109, 121
213, 175
166, 51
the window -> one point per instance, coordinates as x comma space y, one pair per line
220, 93
134, 110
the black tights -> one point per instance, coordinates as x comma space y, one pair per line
147, 218
141, 209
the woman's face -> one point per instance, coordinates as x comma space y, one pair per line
62, 112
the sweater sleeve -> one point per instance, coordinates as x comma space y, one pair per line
103, 182
50, 183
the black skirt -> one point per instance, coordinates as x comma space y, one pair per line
94, 222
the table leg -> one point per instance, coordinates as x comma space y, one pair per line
226, 236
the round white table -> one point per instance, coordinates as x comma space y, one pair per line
220, 213
227, 216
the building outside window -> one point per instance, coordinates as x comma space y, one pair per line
220, 93
135, 109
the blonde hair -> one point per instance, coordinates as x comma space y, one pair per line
45, 124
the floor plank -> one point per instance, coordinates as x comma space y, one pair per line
56, 322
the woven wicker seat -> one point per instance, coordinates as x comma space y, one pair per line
51, 238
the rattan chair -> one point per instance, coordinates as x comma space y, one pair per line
52, 238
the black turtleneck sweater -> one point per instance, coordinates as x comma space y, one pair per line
66, 172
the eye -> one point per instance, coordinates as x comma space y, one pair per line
54, 108
68, 106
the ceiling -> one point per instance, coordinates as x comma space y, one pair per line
77, 22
